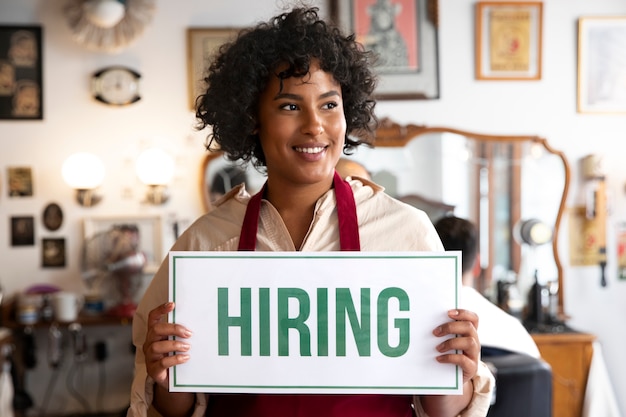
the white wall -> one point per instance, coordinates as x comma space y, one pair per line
74, 122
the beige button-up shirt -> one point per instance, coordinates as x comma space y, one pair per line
385, 224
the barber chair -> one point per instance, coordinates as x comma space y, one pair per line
523, 384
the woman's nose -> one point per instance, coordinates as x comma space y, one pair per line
312, 123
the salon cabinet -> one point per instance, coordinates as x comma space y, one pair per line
569, 355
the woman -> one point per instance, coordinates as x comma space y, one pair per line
285, 95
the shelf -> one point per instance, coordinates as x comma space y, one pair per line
9, 321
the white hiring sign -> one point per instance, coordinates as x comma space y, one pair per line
317, 322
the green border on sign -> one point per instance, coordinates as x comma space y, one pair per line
242, 255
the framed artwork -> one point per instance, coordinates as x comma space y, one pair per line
20, 181
22, 231
601, 65
21, 78
508, 40
403, 34
148, 229
52, 217
52, 252
202, 44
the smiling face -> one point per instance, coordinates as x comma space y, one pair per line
302, 128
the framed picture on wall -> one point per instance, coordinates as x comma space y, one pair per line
601, 65
22, 231
20, 181
52, 216
508, 40
21, 73
403, 34
52, 252
202, 44
101, 234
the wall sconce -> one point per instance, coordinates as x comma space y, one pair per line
532, 232
155, 168
84, 172
104, 13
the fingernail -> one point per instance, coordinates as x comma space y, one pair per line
454, 312
438, 331
183, 346
183, 357
187, 333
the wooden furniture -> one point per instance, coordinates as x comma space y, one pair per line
569, 355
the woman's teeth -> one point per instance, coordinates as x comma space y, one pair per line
317, 149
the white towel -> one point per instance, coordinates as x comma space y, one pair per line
599, 397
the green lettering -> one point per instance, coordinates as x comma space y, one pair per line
401, 324
361, 331
264, 321
224, 321
322, 322
298, 323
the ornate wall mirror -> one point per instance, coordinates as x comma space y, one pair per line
495, 180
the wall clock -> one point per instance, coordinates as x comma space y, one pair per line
116, 86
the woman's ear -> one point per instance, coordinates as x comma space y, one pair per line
476, 268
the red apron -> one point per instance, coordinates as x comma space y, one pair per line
289, 405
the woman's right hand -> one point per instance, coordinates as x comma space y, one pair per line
159, 350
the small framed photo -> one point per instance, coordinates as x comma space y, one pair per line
508, 40
116, 237
20, 181
53, 252
52, 217
22, 231
601, 65
202, 45
21, 73
403, 34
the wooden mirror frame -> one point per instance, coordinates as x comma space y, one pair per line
205, 188
392, 134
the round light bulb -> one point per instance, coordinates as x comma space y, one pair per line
83, 171
155, 167
104, 13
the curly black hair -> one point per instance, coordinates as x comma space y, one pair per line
241, 70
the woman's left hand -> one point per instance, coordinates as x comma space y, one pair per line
466, 342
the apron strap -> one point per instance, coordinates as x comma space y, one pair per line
247, 237
349, 239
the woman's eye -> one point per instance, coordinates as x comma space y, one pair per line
330, 106
289, 106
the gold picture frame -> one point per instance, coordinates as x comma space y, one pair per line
202, 44
601, 66
508, 40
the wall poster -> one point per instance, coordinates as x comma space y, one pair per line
508, 40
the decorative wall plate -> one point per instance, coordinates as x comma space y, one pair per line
112, 39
